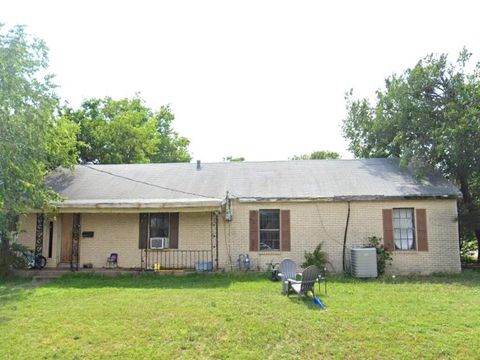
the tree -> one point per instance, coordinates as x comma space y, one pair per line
32, 140
428, 116
127, 131
318, 155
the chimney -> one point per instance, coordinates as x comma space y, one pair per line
199, 165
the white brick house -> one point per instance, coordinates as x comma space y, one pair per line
272, 210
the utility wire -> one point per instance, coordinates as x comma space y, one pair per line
147, 183
124, 177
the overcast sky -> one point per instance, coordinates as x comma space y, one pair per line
259, 79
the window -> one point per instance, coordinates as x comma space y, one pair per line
269, 230
159, 225
404, 229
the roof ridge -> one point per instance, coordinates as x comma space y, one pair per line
245, 162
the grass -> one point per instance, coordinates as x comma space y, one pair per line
239, 316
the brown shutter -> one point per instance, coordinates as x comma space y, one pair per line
253, 230
143, 233
173, 236
388, 229
285, 230
422, 242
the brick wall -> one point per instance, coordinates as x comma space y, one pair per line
312, 223
119, 233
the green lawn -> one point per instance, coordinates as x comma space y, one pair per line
239, 316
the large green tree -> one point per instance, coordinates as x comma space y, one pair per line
318, 155
127, 131
428, 116
33, 141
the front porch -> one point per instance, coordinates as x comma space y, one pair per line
84, 241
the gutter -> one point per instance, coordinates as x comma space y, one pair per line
345, 198
138, 205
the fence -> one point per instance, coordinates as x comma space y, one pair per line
201, 260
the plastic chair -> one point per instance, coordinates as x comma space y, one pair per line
309, 278
112, 260
287, 270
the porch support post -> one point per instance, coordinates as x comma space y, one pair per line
75, 242
39, 234
214, 236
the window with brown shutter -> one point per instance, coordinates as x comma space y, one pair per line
158, 225
269, 230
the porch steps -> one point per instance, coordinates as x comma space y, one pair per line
63, 265
44, 276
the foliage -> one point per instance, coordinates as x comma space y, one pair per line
15, 257
384, 257
468, 250
162, 317
429, 117
317, 257
33, 140
318, 155
234, 159
127, 131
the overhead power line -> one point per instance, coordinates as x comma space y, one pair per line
148, 183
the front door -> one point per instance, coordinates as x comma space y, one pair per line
67, 226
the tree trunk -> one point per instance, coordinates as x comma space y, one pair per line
465, 190
477, 234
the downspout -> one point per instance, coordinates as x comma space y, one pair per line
216, 241
345, 240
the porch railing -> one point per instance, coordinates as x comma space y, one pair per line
171, 259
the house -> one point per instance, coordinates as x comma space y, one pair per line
184, 215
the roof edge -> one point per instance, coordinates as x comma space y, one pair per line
347, 198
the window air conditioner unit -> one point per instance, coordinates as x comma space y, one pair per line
159, 243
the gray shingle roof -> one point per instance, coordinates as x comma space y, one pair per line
303, 179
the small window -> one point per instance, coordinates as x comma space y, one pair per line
269, 230
159, 225
404, 229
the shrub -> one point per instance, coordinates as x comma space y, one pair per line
384, 257
12, 257
318, 257
468, 250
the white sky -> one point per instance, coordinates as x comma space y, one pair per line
259, 79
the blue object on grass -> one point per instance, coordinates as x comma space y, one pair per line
318, 302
